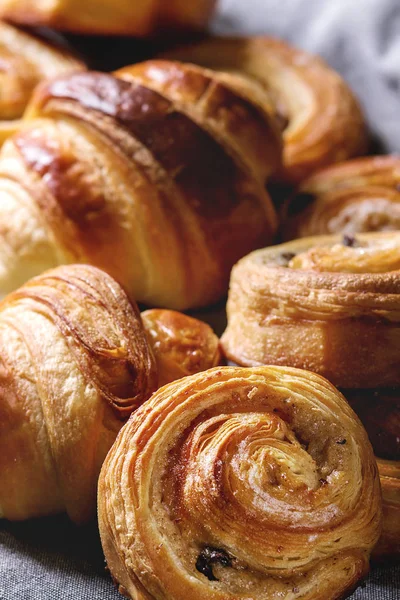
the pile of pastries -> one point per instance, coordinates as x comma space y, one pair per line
220, 469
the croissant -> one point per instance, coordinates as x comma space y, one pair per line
75, 361
146, 174
128, 17
321, 118
221, 487
325, 303
25, 61
359, 195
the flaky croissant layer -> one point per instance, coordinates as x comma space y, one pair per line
26, 60
145, 174
221, 486
321, 119
75, 361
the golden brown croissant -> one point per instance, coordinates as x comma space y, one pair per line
75, 361
128, 17
221, 487
25, 60
325, 303
359, 195
145, 174
322, 120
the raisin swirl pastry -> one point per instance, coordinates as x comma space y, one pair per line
356, 196
221, 487
321, 118
325, 303
25, 60
155, 174
75, 361
127, 17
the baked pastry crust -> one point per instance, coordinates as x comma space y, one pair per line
379, 412
122, 17
181, 344
321, 118
76, 359
26, 60
221, 486
325, 303
389, 543
356, 196
153, 186
75, 362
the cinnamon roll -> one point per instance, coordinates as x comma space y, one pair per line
328, 304
221, 486
356, 196
146, 174
75, 361
25, 60
321, 119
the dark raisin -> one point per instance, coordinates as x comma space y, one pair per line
323, 481
349, 241
284, 258
210, 556
341, 442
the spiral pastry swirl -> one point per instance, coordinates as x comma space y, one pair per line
75, 361
360, 195
325, 303
24, 62
144, 174
321, 120
222, 487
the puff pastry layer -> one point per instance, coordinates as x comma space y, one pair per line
75, 361
325, 303
145, 174
222, 487
359, 195
128, 17
26, 60
321, 119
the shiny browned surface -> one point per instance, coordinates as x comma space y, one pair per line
127, 17
356, 196
114, 173
75, 362
25, 61
76, 359
321, 118
229, 460
328, 304
181, 345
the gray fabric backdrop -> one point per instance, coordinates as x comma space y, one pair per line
50, 559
